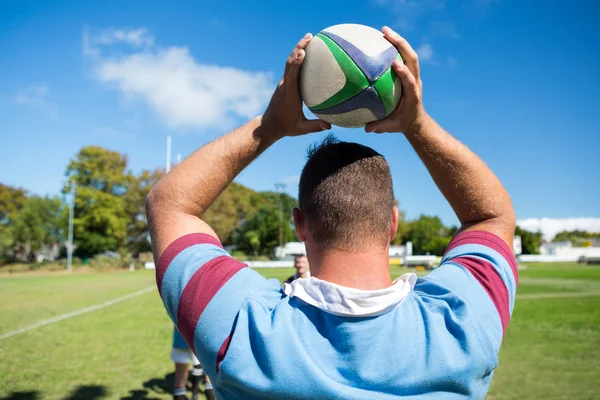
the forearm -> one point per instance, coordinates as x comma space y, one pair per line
471, 188
192, 186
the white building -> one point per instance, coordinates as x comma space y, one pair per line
289, 250
562, 252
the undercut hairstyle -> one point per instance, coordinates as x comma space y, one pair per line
346, 195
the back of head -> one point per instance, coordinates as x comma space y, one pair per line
346, 196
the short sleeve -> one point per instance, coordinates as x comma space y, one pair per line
203, 288
478, 260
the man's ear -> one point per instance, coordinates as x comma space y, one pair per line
299, 224
395, 214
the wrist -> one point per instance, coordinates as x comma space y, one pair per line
421, 120
266, 132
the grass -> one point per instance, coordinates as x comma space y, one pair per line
531, 288
551, 349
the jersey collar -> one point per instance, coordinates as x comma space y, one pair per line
350, 302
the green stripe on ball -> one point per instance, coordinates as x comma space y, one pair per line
356, 81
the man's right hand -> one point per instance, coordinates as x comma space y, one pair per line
409, 112
284, 115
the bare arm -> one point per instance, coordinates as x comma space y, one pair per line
178, 201
176, 204
474, 192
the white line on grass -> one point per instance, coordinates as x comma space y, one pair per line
76, 313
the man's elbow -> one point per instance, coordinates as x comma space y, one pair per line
152, 204
509, 217
507, 221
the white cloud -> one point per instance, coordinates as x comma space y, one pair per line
182, 92
551, 226
137, 37
134, 37
36, 96
425, 52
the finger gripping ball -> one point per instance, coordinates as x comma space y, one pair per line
347, 77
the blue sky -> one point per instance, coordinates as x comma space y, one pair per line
516, 81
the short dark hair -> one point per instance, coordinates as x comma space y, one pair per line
346, 195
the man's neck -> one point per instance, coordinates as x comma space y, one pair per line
368, 270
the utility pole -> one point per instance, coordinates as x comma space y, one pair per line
70, 238
279, 187
168, 166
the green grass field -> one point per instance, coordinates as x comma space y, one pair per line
551, 349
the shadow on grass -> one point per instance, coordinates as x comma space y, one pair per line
26, 395
152, 387
87, 392
157, 387
83, 392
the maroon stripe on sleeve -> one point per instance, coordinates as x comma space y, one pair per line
176, 247
223, 351
490, 240
200, 290
487, 276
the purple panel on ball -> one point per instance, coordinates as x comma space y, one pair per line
372, 67
368, 98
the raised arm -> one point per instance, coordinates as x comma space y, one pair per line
474, 192
178, 201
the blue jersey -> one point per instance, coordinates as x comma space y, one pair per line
431, 337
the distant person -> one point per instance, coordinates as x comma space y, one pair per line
302, 268
348, 331
181, 355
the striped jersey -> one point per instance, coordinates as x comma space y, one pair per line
433, 337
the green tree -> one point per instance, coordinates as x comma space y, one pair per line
137, 227
287, 202
37, 225
100, 169
12, 201
428, 235
530, 241
235, 205
264, 225
100, 219
252, 241
99, 223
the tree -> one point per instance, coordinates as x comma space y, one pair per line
287, 202
252, 239
99, 223
530, 241
100, 218
37, 225
100, 169
264, 226
138, 239
428, 235
12, 201
235, 205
